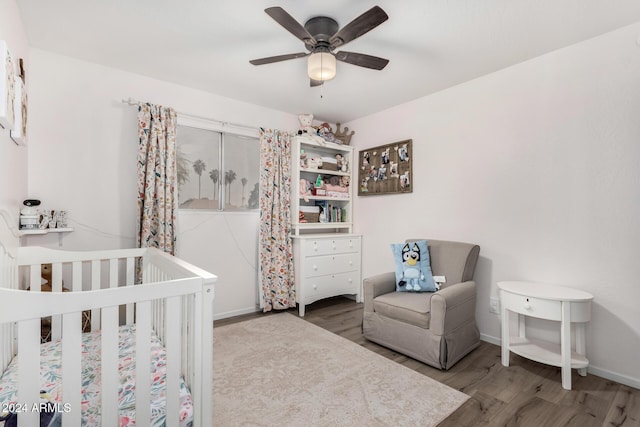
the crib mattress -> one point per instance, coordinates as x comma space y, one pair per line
51, 373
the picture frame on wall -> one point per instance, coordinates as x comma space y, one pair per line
19, 131
7, 87
386, 169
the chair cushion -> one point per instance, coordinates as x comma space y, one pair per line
408, 307
413, 267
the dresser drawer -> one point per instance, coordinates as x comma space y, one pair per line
332, 245
316, 288
330, 264
534, 307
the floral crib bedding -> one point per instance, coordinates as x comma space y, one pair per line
51, 381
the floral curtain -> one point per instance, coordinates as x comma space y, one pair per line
275, 250
157, 177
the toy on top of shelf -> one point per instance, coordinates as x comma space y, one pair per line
344, 135
306, 129
305, 124
326, 132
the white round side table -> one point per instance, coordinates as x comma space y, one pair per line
551, 302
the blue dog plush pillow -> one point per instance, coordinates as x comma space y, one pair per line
413, 267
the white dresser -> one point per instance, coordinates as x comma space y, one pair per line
326, 265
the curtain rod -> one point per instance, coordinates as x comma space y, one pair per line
132, 101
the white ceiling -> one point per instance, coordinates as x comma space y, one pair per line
207, 44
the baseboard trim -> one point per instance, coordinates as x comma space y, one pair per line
234, 313
490, 339
604, 373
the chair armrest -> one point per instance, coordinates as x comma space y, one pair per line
377, 285
453, 306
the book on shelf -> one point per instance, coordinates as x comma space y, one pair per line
324, 210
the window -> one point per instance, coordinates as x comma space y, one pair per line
216, 170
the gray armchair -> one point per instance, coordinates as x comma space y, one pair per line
437, 328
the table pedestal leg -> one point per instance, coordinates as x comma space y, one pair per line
565, 345
581, 347
505, 336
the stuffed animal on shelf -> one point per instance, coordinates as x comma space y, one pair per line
305, 189
305, 125
314, 163
332, 180
342, 163
306, 129
326, 132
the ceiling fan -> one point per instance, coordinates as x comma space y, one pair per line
321, 37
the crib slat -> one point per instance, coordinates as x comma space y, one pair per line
56, 286
110, 377
28, 363
205, 318
130, 281
199, 353
76, 276
95, 285
71, 368
143, 365
35, 278
113, 273
172, 344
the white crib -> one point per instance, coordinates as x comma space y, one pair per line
174, 302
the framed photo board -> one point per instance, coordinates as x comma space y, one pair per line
386, 169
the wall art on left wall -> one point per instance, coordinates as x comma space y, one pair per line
19, 131
7, 87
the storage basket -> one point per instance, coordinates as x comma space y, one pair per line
309, 214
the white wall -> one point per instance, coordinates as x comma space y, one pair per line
82, 158
13, 158
539, 164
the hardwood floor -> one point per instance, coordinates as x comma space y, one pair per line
524, 394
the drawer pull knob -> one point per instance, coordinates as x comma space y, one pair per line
315, 286
350, 262
350, 280
527, 305
315, 267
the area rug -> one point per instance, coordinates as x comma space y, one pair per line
279, 370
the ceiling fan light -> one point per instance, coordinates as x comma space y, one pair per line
321, 66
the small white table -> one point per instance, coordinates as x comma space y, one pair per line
551, 302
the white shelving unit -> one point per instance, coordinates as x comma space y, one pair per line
312, 149
326, 255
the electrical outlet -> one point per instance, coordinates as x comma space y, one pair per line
494, 305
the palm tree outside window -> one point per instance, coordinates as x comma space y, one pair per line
216, 170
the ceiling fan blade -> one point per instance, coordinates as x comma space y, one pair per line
272, 59
290, 24
362, 60
359, 26
314, 83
